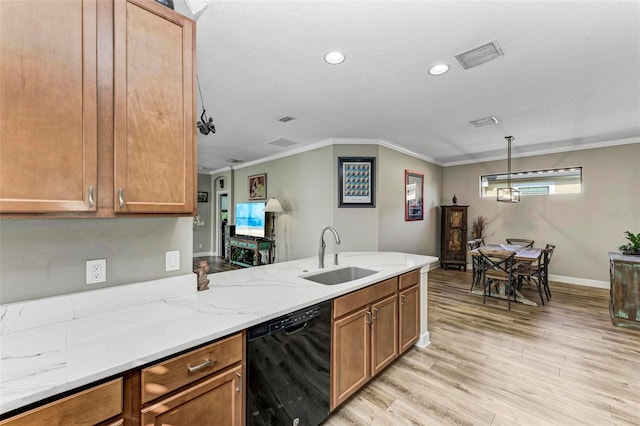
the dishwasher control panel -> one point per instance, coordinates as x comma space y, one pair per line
284, 322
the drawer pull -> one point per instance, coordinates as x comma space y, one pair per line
375, 314
91, 199
402, 299
368, 314
121, 197
206, 364
239, 387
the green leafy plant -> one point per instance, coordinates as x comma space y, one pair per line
633, 246
478, 226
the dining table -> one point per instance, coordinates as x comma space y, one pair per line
523, 255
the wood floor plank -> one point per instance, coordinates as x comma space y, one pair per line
563, 363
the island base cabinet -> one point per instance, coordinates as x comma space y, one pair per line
214, 402
409, 317
89, 407
365, 337
384, 333
350, 368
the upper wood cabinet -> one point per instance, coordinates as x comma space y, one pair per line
97, 109
48, 106
154, 126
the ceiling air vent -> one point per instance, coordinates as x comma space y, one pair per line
282, 143
479, 55
285, 119
233, 161
486, 121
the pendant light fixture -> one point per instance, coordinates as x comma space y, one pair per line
509, 194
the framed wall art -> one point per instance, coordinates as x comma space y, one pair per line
258, 187
413, 195
356, 181
203, 197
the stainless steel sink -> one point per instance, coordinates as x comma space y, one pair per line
340, 275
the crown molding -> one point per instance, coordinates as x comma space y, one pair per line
403, 150
568, 148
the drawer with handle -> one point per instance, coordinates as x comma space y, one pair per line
162, 378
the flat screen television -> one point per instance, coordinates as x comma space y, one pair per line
250, 219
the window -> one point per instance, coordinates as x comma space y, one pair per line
535, 182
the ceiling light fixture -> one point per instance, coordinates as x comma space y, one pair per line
509, 194
334, 57
438, 69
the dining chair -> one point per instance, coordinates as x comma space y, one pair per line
475, 261
549, 248
524, 242
497, 266
537, 272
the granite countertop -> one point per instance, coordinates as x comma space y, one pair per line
52, 345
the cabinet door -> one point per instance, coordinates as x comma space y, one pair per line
154, 125
48, 104
214, 402
409, 323
384, 333
351, 358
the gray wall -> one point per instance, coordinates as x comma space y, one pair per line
306, 185
202, 234
395, 234
303, 184
583, 226
40, 258
358, 227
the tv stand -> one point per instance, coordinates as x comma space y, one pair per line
245, 250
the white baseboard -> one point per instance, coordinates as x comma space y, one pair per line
579, 281
203, 254
424, 340
571, 280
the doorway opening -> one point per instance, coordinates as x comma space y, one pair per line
222, 219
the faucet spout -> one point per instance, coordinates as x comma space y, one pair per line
323, 245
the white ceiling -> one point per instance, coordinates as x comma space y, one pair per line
570, 76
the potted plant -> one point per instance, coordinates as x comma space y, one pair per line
633, 246
478, 227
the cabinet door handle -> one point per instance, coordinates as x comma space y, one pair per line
375, 314
207, 363
402, 299
239, 387
121, 197
91, 199
368, 317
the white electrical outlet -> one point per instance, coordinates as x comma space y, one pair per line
96, 271
172, 260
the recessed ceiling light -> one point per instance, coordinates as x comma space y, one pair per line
334, 58
438, 69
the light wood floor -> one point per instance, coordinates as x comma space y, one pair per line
559, 364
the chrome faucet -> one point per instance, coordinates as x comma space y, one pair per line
323, 245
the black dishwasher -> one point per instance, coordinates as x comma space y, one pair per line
288, 361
